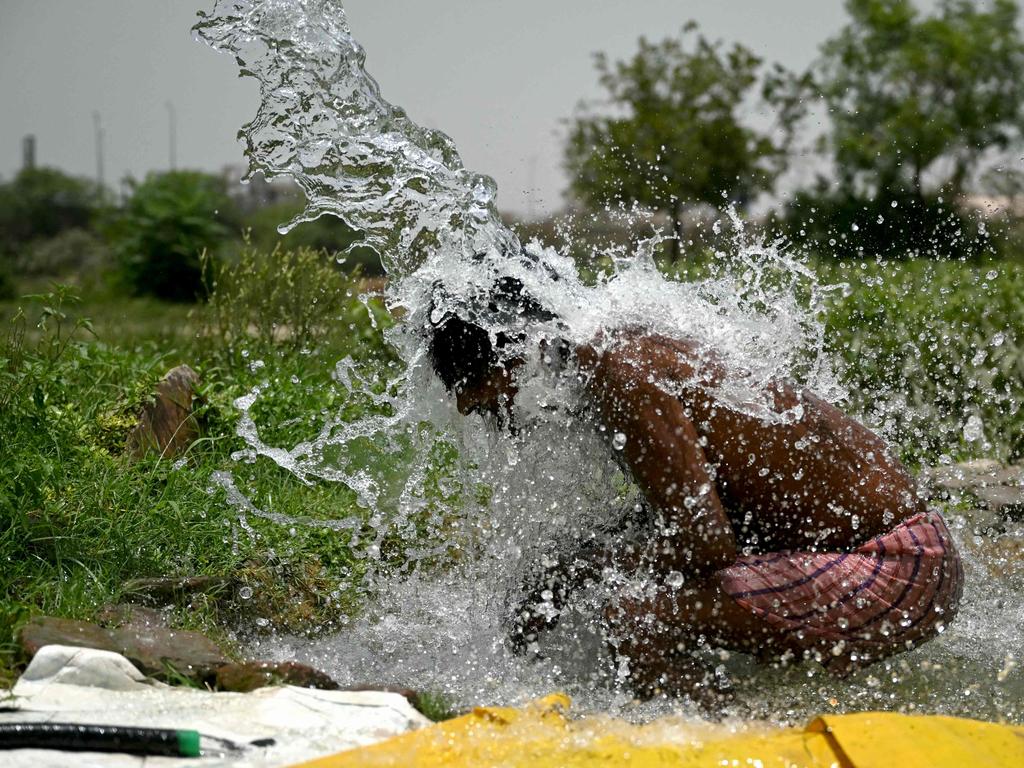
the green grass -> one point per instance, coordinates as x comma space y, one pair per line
435, 706
78, 519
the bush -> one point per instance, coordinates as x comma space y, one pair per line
328, 233
289, 299
8, 288
166, 225
1009, 242
43, 202
72, 251
846, 225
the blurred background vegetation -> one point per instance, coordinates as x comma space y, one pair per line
919, 156
918, 210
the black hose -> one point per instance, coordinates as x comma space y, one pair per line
75, 737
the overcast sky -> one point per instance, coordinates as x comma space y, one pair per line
500, 77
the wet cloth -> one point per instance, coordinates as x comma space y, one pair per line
849, 609
82, 685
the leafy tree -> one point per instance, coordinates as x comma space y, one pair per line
670, 133
160, 235
915, 97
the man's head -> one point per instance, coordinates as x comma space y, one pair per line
469, 363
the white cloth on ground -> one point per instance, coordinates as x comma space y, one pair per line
82, 685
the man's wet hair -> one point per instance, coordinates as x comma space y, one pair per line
461, 351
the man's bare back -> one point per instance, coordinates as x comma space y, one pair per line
821, 482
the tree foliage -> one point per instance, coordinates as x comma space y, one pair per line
918, 100
165, 226
670, 131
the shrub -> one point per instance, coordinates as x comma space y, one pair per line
8, 288
290, 299
845, 225
72, 251
929, 344
169, 221
43, 202
327, 233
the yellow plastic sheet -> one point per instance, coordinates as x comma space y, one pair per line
884, 739
541, 736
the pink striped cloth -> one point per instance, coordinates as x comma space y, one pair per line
851, 609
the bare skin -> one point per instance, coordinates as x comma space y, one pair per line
822, 482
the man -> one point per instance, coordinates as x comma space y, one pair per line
793, 535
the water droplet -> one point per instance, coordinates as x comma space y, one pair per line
674, 579
893, 203
974, 428
245, 593
619, 441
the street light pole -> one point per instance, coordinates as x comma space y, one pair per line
172, 135
98, 131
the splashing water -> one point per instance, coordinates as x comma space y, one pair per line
470, 520
323, 123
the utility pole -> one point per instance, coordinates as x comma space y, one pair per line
172, 134
28, 152
531, 187
98, 131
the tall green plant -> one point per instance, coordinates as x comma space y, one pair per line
24, 371
167, 223
928, 345
327, 233
284, 299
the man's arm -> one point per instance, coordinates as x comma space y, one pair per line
662, 449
